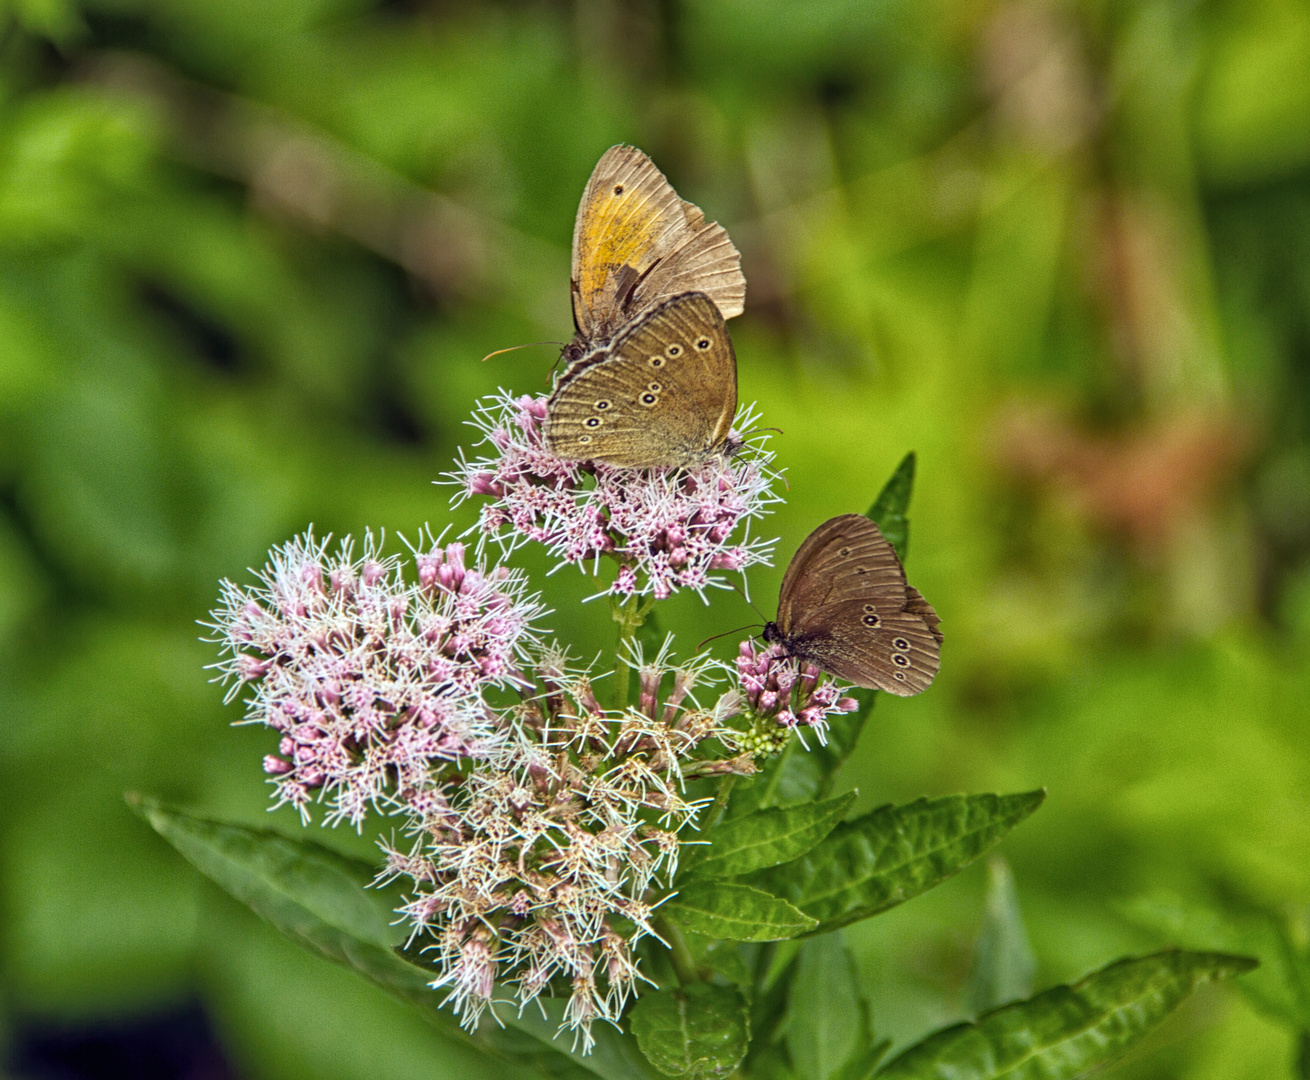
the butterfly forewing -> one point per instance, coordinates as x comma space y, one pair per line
845, 558
663, 393
845, 605
636, 243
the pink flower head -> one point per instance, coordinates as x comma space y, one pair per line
669, 529
538, 867
782, 692
369, 678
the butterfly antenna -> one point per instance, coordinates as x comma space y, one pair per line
757, 611
529, 345
715, 637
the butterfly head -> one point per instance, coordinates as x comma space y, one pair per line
772, 633
573, 351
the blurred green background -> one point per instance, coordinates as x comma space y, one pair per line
252, 252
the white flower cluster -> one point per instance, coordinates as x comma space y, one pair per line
538, 874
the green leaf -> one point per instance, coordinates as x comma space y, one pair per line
894, 853
736, 912
890, 509
765, 838
317, 898
308, 892
1280, 988
699, 1031
1004, 964
1067, 1031
794, 776
827, 1021
843, 734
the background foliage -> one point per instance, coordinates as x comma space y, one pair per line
251, 254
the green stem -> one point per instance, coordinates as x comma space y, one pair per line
771, 789
629, 613
684, 964
720, 804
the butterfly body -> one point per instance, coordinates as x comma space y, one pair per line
651, 377
846, 607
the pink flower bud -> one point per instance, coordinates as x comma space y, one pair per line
427, 567
250, 668
275, 766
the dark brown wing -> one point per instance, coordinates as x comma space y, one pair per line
901, 655
637, 244
844, 558
664, 393
846, 607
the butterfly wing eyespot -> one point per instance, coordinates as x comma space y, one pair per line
703, 343
618, 189
673, 351
675, 419
845, 603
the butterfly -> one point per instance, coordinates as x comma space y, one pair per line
652, 377
846, 607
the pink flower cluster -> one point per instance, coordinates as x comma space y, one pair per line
667, 529
370, 678
781, 694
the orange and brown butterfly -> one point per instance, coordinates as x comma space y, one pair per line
846, 607
651, 377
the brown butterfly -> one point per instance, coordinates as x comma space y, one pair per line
652, 378
846, 607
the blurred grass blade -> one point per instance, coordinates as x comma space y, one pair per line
1070, 1030
699, 1031
890, 510
765, 839
827, 1020
1003, 965
735, 912
894, 853
317, 898
862, 1066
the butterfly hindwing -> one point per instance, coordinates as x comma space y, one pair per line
663, 393
636, 244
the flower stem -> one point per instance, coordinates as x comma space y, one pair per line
720, 804
629, 613
684, 964
771, 790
